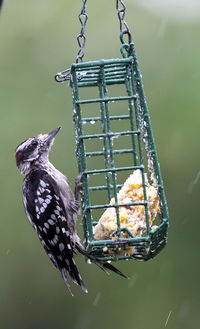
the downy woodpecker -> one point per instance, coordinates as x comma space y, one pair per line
52, 208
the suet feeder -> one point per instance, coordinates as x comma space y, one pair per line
114, 138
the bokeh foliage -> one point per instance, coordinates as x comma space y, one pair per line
38, 39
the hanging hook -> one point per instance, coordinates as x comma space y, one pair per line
63, 76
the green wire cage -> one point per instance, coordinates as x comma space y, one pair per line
101, 75
114, 138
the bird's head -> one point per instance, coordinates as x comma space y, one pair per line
33, 150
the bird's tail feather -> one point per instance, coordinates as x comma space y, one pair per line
64, 276
71, 268
105, 266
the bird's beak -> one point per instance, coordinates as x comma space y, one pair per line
51, 135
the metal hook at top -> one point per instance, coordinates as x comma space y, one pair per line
63, 76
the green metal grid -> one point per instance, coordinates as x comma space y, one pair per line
99, 75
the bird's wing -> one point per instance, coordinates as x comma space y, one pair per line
47, 214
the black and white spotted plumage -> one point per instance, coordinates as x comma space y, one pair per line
46, 212
52, 208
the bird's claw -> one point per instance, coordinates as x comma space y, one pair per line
78, 186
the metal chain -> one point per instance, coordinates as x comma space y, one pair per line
124, 29
81, 39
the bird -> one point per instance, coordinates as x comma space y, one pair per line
52, 208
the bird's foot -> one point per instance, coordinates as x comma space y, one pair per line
78, 186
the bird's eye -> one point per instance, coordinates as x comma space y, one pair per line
34, 142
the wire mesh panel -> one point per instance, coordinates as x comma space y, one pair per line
114, 140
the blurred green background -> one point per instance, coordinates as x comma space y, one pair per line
38, 39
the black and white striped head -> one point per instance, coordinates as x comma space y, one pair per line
34, 149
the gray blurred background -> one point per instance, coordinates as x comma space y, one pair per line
38, 39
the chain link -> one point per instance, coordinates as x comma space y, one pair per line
124, 29
81, 39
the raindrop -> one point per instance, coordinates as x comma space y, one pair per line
81, 75
116, 136
191, 186
96, 300
166, 322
